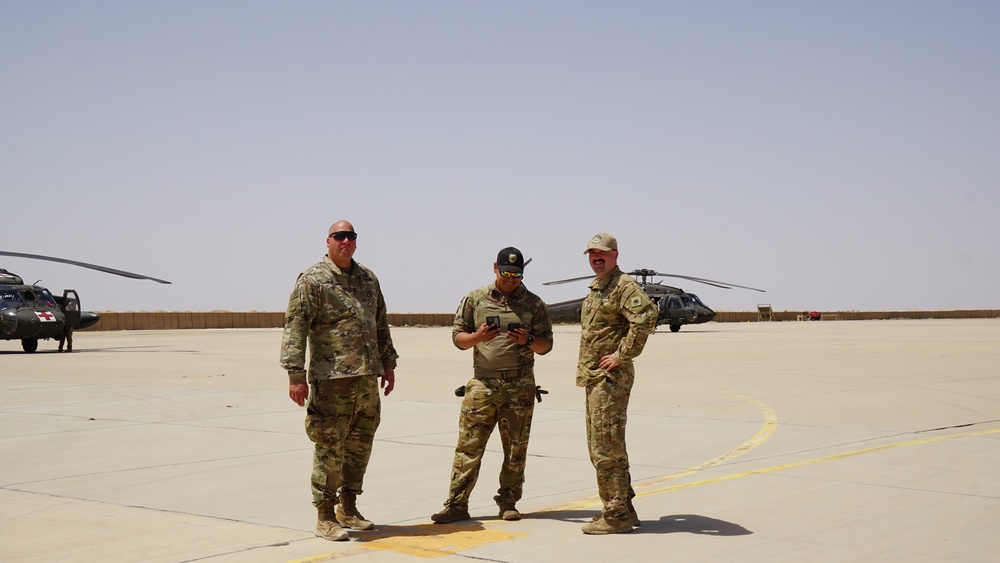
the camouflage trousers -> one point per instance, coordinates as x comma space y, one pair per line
488, 403
341, 418
607, 413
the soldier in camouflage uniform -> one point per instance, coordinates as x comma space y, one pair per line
616, 319
502, 390
337, 309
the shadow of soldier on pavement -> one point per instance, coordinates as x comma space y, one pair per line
693, 524
675, 523
419, 530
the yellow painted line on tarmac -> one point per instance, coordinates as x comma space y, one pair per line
806, 462
440, 545
765, 432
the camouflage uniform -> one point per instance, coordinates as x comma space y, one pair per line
501, 392
342, 316
617, 317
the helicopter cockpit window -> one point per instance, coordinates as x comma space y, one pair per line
45, 299
696, 300
11, 299
688, 302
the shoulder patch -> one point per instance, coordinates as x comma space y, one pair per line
636, 301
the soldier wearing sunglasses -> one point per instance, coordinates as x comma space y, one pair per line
337, 311
505, 325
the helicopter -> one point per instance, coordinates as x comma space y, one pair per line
676, 306
30, 312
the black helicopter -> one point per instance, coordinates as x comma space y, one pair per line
677, 307
30, 313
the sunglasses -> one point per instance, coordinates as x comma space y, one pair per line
511, 274
339, 236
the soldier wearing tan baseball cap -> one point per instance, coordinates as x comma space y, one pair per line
601, 241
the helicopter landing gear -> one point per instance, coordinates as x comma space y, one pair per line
675, 327
29, 344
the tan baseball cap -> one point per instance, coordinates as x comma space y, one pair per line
601, 241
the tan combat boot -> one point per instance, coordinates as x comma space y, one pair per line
508, 511
451, 513
602, 526
348, 515
633, 518
327, 526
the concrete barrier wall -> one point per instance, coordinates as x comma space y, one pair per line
751, 316
168, 320
165, 320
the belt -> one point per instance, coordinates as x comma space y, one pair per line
502, 373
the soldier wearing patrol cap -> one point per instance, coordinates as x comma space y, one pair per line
502, 389
616, 319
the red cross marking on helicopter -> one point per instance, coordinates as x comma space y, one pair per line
45, 316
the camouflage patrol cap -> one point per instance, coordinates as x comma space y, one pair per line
510, 260
601, 241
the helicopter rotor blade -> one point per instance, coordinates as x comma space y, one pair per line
557, 282
104, 269
649, 273
722, 284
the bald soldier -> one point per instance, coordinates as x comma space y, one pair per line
616, 319
338, 312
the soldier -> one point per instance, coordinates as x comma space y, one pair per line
67, 338
616, 319
502, 389
338, 309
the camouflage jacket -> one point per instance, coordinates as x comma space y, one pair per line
343, 318
521, 306
617, 317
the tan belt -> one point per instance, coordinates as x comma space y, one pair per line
502, 373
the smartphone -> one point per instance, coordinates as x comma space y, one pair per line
493, 321
513, 326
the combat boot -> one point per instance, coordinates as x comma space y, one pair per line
508, 511
451, 513
602, 526
633, 518
348, 515
327, 526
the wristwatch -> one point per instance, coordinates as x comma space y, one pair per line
531, 340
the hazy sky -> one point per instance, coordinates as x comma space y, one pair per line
840, 155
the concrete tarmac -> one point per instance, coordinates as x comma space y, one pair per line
791, 441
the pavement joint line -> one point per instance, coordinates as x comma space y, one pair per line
12, 486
